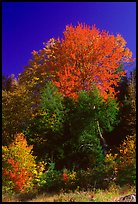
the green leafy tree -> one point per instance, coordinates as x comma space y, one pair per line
86, 121
46, 128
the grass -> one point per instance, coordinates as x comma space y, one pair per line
96, 195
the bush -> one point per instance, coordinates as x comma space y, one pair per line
40, 168
70, 179
18, 165
92, 178
51, 179
127, 161
84, 178
122, 166
56, 180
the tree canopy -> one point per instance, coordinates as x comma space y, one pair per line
84, 57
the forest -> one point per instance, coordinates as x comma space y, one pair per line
69, 119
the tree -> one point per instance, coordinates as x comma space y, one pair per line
87, 56
16, 112
82, 141
46, 126
82, 58
18, 165
127, 110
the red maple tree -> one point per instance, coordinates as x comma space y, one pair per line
85, 57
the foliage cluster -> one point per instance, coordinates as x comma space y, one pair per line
127, 161
18, 165
123, 162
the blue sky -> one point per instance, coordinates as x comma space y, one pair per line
26, 25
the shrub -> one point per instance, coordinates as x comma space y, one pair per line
110, 169
18, 165
84, 178
40, 168
122, 166
56, 180
70, 179
51, 179
127, 161
19, 177
91, 178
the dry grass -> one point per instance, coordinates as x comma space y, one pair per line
109, 195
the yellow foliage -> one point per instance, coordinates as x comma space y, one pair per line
21, 153
128, 151
72, 175
36, 78
126, 155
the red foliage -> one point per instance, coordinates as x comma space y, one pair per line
121, 104
17, 175
86, 57
65, 177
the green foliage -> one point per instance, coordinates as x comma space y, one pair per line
127, 175
126, 98
51, 179
56, 180
91, 107
52, 104
108, 114
40, 168
89, 147
46, 128
82, 125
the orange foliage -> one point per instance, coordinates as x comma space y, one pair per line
18, 176
18, 164
83, 58
86, 57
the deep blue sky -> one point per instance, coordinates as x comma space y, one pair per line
26, 25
